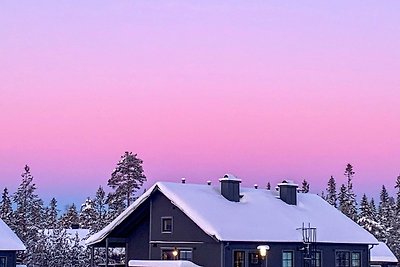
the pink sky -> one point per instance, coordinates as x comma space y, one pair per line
267, 90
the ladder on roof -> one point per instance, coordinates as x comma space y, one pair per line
309, 248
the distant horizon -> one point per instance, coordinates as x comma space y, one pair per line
267, 90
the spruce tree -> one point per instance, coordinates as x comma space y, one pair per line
342, 197
384, 213
6, 211
305, 186
70, 218
127, 177
100, 209
52, 215
88, 216
331, 195
268, 186
29, 214
351, 207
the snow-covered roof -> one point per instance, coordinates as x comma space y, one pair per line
8, 239
381, 253
161, 263
260, 216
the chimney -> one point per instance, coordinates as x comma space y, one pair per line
255, 186
288, 192
230, 187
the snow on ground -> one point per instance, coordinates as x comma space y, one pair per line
381, 253
164, 263
8, 239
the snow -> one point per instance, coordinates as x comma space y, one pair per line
230, 177
163, 263
260, 215
82, 234
381, 253
9, 240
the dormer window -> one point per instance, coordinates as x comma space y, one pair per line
166, 224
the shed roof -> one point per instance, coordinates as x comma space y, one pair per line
8, 239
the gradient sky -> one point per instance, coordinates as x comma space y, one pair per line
266, 90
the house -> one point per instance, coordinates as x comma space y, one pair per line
226, 225
382, 256
9, 245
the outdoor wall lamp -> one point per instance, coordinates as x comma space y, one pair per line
263, 249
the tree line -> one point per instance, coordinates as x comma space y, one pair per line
381, 219
43, 229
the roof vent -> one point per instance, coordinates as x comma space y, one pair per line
230, 187
255, 186
209, 182
288, 192
183, 180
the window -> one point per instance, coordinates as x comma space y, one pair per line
254, 258
238, 259
287, 259
186, 254
356, 259
342, 259
167, 254
166, 224
318, 259
3, 261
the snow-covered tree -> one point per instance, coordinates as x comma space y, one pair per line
76, 252
384, 213
331, 195
6, 211
52, 214
100, 209
305, 186
342, 198
88, 216
127, 177
70, 218
366, 218
349, 206
29, 214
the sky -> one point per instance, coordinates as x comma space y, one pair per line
266, 90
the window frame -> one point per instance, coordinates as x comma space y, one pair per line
292, 259
336, 259
319, 252
359, 259
186, 250
244, 257
162, 224
5, 260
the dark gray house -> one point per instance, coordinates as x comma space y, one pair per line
9, 245
382, 256
225, 225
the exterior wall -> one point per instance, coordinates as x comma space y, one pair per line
11, 257
274, 257
185, 234
138, 241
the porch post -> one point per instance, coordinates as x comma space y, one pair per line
126, 254
106, 252
92, 256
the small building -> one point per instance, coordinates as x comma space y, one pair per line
382, 256
9, 245
226, 225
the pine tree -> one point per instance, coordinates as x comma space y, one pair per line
6, 211
100, 209
127, 177
395, 221
70, 218
52, 214
88, 216
366, 218
29, 214
351, 207
331, 195
305, 186
342, 197
384, 213
75, 252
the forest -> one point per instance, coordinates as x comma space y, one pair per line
49, 242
